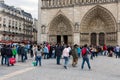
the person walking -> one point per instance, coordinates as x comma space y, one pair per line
65, 55
85, 52
75, 56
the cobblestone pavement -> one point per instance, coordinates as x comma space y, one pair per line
103, 68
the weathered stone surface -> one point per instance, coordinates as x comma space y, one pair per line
92, 18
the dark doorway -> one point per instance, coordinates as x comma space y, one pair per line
58, 39
101, 39
65, 38
93, 39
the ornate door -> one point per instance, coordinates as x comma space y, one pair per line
101, 39
93, 38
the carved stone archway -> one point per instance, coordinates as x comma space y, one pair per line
98, 20
60, 30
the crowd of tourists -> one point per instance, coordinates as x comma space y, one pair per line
56, 51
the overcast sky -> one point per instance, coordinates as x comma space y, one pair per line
30, 6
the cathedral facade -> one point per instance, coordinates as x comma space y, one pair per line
93, 22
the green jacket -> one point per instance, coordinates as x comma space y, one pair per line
14, 51
74, 53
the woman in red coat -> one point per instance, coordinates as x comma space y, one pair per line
105, 50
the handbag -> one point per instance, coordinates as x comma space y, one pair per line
12, 60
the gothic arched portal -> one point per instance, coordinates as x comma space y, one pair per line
101, 22
60, 30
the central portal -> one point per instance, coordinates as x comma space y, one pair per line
63, 39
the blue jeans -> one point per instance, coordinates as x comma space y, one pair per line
46, 55
3, 60
79, 55
38, 59
7, 60
85, 59
66, 61
58, 59
23, 57
53, 55
117, 54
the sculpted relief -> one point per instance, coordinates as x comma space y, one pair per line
97, 25
43, 28
61, 27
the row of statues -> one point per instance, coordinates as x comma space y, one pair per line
56, 3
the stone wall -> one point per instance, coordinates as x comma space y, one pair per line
75, 15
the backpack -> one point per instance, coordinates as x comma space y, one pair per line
84, 51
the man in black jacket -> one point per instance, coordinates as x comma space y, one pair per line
3, 54
8, 53
58, 53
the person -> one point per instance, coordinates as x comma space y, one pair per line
53, 53
58, 53
34, 48
23, 53
3, 54
31, 51
9, 54
49, 46
65, 55
117, 51
105, 52
85, 52
46, 52
78, 51
14, 51
38, 55
19, 52
75, 56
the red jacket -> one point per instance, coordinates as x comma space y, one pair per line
104, 47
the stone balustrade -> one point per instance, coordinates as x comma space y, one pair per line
67, 3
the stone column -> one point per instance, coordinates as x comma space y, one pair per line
118, 40
49, 2
43, 3
66, 2
62, 38
39, 22
61, 1
52, 2
118, 34
97, 36
56, 2
76, 38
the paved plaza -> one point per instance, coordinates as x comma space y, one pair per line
103, 68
